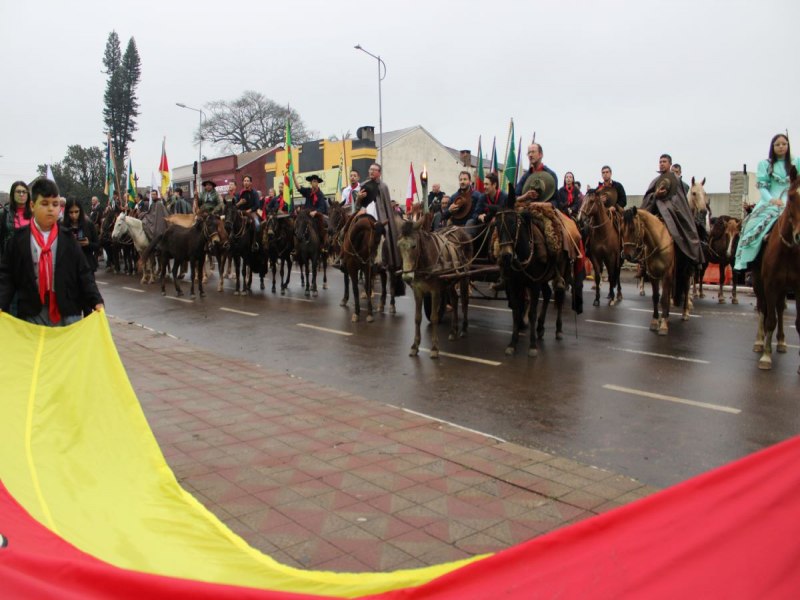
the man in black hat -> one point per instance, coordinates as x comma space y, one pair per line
316, 203
208, 200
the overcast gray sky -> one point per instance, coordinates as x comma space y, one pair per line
708, 81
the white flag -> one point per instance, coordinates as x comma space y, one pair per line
49, 174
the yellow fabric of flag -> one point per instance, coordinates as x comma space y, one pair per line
78, 455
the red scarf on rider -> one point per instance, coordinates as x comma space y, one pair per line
496, 198
313, 198
569, 196
46, 269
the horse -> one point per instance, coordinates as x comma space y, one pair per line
721, 250
240, 237
524, 271
699, 205
277, 238
308, 248
181, 244
603, 244
106, 227
132, 227
359, 246
337, 218
434, 263
776, 271
645, 238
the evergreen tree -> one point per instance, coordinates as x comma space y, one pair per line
121, 106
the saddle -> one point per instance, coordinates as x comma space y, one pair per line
546, 219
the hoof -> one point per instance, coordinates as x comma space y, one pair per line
685, 317
721, 300
219, 287
392, 309
702, 296
263, 287
163, 293
596, 303
654, 325
283, 292
414, 352
324, 286
758, 347
559, 335
307, 294
381, 308
354, 318
734, 301
370, 319
314, 293
663, 331
192, 296
452, 337
179, 294
533, 353
202, 294
782, 347
462, 333
641, 292
434, 354
343, 303
510, 351
235, 292
765, 363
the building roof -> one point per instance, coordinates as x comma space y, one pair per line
245, 158
390, 137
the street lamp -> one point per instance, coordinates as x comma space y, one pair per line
200, 149
380, 106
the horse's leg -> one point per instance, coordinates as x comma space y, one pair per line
391, 280
770, 320
175, 266
417, 319
734, 298
618, 278
200, 268
314, 268
163, 276
797, 318
369, 282
454, 316
221, 266
465, 306
666, 296
234, 258
534, 292
517, 304
781, 341
436, 302
655, 286
546, 293
304, 267
354, 271
382, 304
325, 271
346, 296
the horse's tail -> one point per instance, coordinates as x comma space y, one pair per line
152, 247
684, 269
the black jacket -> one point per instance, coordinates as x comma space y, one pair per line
76, 290
490, 206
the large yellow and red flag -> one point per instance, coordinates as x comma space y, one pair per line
163, 167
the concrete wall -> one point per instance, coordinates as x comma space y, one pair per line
418, 147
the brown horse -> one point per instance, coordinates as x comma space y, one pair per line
432, 263
277, 239
720, 250
776, 271
359, 246
604, 245
646, 239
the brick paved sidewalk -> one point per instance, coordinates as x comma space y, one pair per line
325, 480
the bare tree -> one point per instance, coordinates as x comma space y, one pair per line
250, 122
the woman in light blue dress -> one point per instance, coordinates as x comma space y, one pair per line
772, 181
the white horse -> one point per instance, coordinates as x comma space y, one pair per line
133, 227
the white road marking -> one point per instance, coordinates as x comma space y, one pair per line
238, 312
101, 282
617, 324
706, 405
490, 308
180, 299
650, 310
130, 289
656, 354
457, 426
325, 329
506, 331
483, 361
295, 299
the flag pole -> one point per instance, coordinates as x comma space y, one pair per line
508, 143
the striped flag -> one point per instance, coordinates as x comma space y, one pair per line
163, 167
480, 174
131, 186
412, 189
110, 171
288, 174
494, 167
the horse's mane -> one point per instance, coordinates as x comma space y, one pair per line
629, 215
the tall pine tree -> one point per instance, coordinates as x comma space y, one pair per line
121, 106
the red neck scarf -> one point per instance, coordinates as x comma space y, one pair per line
569, 196
496, 197
537, 169
313, 198
46, 269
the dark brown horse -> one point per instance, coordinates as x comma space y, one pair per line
308, 250
777, 271
721, 250
604, 245
181, 244
277, 238
527, 277
433, 263
645, 238
359, 246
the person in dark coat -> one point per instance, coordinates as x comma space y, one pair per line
464, 203
665, 197
493, 199
435, 198
535, 156
316, 203
605, 187
45, 267
568, 197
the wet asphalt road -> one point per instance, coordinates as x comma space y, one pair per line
588, 397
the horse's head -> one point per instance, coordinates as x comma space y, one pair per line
733, 228
793, 206
592, 203
120, 227
409, 245
698, 199
507, 225
632, 234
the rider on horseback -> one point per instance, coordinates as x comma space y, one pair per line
247, 204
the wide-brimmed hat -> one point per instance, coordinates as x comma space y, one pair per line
313, 177
209, 181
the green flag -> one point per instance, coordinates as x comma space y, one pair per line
131, 186
288, 175
110, 171
510, 173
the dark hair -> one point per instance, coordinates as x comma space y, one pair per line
380, 168
565, 178
179, 191
667, 156
604, 167
70, 203
246, 177
41, 186
467, 173
493, 178
787, 160
677, 166
538, 145
355, 171
12, 205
